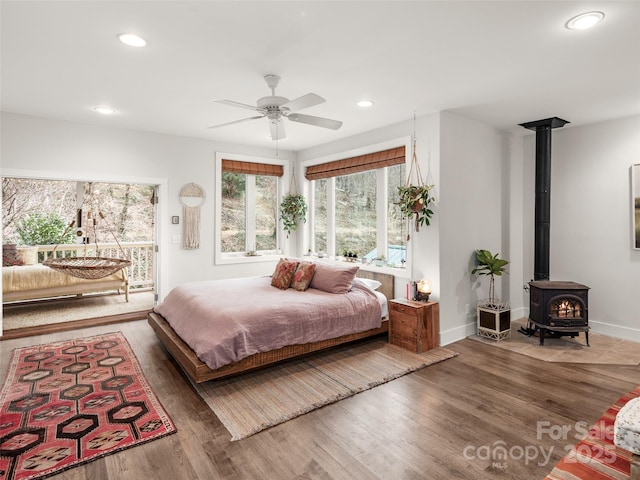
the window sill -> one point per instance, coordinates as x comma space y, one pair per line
244, 259
370, 267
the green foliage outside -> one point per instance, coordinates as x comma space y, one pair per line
44, 229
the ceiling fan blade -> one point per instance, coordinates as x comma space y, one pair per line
277, 129
236, 121
305, 101
237, 104
316, 121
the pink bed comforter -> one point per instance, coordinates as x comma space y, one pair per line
224, 321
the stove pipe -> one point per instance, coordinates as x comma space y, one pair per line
543, 192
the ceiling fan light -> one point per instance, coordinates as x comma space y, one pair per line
104, 110
132, 40
584, 21
365, 103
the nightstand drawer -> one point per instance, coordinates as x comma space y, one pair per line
404, 325
402, 308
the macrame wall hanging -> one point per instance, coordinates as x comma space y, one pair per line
192, 197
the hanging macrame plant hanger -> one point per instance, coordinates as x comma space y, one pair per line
88, 267
192, 197
414, 166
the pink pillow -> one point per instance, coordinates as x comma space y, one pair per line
333, 278
302, 277
283, 274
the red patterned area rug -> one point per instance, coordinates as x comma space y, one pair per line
67, 403
595, 457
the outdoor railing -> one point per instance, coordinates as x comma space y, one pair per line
140, 272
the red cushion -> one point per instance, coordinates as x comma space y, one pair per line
10, 255
302, 277
283, 273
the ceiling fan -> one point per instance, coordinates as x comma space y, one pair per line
274, 108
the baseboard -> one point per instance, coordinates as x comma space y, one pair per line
458, 333
517, 313
617, 331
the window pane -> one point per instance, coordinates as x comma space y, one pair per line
396, 226
266, 212
320, 215
233, 212
356, 213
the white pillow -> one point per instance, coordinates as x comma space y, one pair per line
372, 284
29, 255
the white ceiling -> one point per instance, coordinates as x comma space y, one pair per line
502, 63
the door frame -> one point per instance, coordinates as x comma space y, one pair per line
161, 212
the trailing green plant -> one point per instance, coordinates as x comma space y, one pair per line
43, 229
293, 210
491, 265
415, 202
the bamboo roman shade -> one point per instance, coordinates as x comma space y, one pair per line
252, 168
361, 163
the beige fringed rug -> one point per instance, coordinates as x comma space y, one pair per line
254, 401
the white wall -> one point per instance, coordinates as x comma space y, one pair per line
591, 219
48, 148
474, 214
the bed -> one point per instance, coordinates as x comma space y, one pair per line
200, 368
30, 282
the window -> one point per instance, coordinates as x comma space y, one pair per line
356, 225
354, 206
248, 208
320, 215
266, 188
396, 225
234, 206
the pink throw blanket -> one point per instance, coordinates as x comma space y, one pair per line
224, 321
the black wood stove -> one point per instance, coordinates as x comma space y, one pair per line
558, 309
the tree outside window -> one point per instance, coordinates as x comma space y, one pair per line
233, 232
249, 212
320, 215
356, 213
365, 207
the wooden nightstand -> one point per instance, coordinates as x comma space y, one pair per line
414, 325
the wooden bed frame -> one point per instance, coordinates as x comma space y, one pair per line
199, 372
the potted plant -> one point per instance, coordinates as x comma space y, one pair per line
380, 261
293, 210
494, 316
415, 202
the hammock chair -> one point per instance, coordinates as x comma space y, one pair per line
88, 267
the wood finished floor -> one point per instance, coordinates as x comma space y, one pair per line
416, 427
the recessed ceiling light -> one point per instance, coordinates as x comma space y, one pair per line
132, 40
104, 110
365, 103
584, 21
